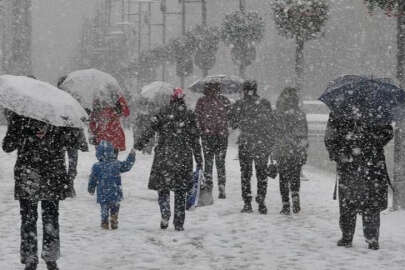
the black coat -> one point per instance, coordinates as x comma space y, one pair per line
178, 142
253, 116
291, 136
359, 153
40, 172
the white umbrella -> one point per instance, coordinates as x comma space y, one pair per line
88, 85
156, 89
41, 101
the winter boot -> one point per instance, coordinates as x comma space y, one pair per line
221, 189
164, 224
114, 222
296, 202
247, 208
286, 209
179, 228
105, 225
344, 243
262, 207
52, 266
373, 245
31, 266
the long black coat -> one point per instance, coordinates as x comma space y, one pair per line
253, 116
178, 142
40, 171
359, 153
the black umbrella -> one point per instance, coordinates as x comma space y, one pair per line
368, 99
230, 84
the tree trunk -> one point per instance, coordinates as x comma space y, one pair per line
399, 139
242, 71
299, 66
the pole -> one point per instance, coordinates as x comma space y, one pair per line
149, 26
204, 12
139, 29
183, 32
163, 8
242, 5
122, 10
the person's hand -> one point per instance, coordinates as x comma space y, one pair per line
91, 191
133, 151
138, 146
72, 173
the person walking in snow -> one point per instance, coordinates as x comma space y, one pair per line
290, 149
212, 115
106, 177
253, 116
105, 124
358, 150
40, 176
172, 168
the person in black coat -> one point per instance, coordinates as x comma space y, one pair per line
290, 149
172, 168
358, 150
253, 116
40, 176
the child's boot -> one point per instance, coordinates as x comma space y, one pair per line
114, 222
105, 225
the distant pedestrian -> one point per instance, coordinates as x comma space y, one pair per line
106, 177
358, 150
172, 168
212, 114
290, 149
253, 116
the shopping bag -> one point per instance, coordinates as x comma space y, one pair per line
205, 196
194, 193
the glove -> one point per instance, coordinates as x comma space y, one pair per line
91, 190
72, 173
138, 146
133, 151
199, 166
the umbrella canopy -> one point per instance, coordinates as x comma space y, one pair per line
41, 101
90, 85
375, 100
230, 84
156, 89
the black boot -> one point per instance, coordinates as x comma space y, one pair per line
286, 209
296, 202
373, 245
52, 266
164, 224
31, 266
344, 243
247, 208
221, 194
262, 207
179, 228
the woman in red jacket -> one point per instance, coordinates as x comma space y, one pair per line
105, 123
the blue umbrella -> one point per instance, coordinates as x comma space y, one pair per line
374, 100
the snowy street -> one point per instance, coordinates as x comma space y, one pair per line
215, 237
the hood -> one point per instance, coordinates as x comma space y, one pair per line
288, 100
105, 151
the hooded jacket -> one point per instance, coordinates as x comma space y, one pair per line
106, 174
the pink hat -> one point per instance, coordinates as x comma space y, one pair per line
177, 94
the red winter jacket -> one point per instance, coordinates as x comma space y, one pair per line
212, 114
105, 124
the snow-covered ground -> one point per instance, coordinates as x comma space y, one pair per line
215, 237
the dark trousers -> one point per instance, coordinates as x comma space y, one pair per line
248, 155
214, 146
179, 206
347, 223
289, 178
109, 209
50, 221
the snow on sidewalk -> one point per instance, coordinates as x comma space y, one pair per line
215, 237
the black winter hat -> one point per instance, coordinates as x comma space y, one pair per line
249, 87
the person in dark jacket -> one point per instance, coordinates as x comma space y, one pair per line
172, 168
212, 115
253, 116
290, 150
106, 177
358, 150
40, 176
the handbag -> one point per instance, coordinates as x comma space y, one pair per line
272, 169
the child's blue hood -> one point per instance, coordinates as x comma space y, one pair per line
105, 151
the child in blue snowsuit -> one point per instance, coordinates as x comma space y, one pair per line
106, 176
